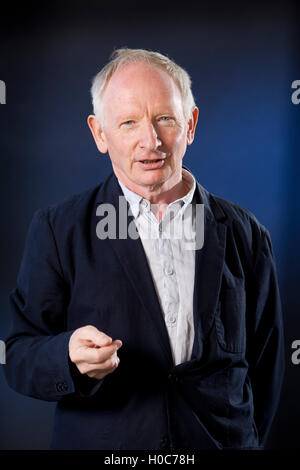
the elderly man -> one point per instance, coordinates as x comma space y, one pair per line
143, 343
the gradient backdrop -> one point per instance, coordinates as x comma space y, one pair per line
242, 59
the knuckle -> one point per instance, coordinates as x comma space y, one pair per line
73, 339
99, 375
105, 337
99, 355
92, 374
80, 368
73, 356
107, 364
117, 362
83, 369
112, 362
88, 329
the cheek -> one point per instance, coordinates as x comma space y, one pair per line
175, 140
118, 149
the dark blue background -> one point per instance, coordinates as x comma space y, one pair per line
242, 60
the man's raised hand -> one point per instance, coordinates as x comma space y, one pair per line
93, 352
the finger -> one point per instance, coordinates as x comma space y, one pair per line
100, 370
93, 355
110, 363
92, 334
107, 353
117, 342
100, 375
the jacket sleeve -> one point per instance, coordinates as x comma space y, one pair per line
266, 351
37, 348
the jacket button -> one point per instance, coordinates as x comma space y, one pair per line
65, 386
61, 386
173, 378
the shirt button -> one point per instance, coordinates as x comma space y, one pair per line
171, 319
144, 203
169, 271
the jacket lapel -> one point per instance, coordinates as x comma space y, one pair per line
209, 262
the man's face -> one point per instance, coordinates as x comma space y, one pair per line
144, 121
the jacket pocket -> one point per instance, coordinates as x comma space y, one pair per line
230, 320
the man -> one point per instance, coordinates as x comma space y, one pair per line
146, 344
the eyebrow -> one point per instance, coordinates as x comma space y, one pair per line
133, 115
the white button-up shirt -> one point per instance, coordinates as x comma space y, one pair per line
172, 265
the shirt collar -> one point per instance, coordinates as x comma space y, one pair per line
135, 199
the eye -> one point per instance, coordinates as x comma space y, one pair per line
128, 123
167, 120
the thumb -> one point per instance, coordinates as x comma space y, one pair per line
118, 343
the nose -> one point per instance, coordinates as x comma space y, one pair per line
148, 138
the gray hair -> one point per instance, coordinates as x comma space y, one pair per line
125, 56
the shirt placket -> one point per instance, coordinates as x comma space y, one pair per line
170, 284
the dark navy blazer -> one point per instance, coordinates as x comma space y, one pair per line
224, 397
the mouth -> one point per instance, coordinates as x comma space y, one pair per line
152, 164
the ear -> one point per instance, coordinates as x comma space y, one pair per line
97, 133
192, 125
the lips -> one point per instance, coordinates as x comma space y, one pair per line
153, 164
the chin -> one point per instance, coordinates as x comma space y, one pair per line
154, 177
151, 180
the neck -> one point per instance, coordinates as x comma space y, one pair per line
161, 194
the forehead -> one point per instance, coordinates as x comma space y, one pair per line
141, 83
